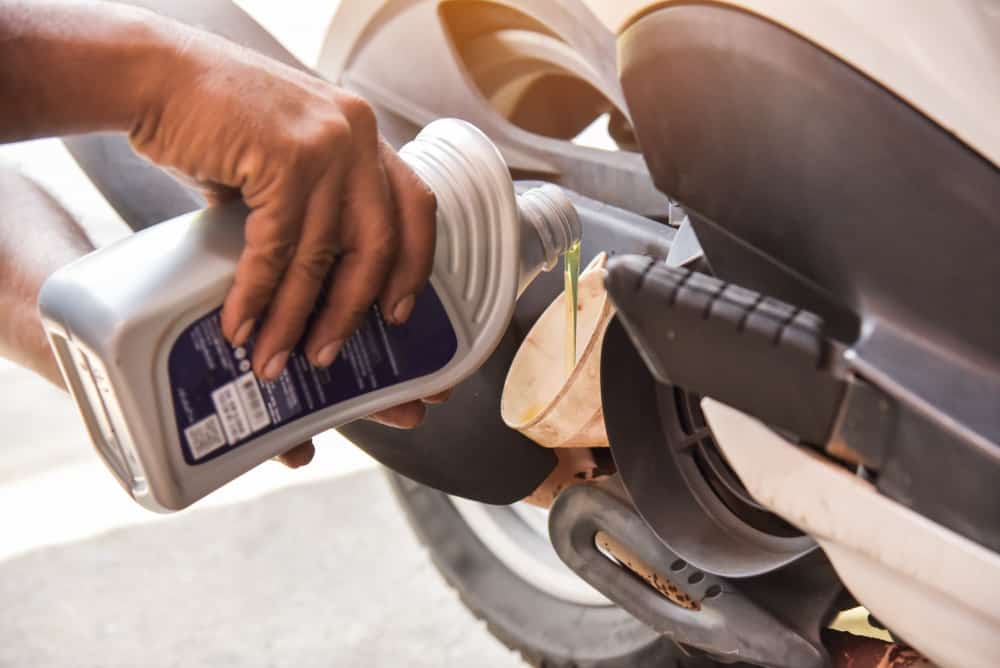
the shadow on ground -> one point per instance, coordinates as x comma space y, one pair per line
325, 574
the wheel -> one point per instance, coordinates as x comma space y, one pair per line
499, 561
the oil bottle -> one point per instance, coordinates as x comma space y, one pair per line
176, 412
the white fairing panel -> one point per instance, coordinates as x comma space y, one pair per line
420, 60
937, 589
941, 56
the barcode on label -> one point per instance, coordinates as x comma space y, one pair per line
253, 401
230, 410
205, 437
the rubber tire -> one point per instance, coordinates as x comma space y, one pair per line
546, 631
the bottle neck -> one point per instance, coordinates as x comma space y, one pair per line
470, 179
549, 227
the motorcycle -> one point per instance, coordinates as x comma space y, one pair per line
800, 385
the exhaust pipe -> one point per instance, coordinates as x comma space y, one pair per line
601, 538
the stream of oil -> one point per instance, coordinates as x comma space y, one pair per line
571, 264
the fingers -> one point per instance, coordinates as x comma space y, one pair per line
271, 235
405, 416
410, 415
300, 286
353, 289
416, 212
298, 456
367, 218
438, 398
369, 240
216, 194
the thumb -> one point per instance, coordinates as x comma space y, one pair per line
298, 456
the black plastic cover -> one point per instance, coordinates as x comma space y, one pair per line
752, 352
810, 182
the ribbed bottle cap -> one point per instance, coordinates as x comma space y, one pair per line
553, 216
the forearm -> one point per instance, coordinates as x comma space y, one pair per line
37, 236
72, 67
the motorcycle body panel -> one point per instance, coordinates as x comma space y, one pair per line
809, 182
939, 57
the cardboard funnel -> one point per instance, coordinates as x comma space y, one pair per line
539, 399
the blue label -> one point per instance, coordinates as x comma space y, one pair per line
220, 404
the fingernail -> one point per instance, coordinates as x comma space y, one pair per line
403, 309
243, 333
328, 353
275, 365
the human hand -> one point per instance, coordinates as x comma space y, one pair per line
306, 158
405, 416
304, 155
325, 194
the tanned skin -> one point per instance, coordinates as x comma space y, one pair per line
304, 155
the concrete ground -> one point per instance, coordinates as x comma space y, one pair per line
317, 574
281, 568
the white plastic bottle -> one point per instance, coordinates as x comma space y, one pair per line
175, 411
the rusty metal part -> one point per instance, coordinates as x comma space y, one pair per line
847, 650
727, 624
630, 560
851, 651
576, 466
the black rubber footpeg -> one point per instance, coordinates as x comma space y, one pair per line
754, 353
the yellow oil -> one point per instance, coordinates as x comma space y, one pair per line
532, 411
571, 264
856, 621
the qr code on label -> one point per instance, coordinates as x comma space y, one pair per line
205, 437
